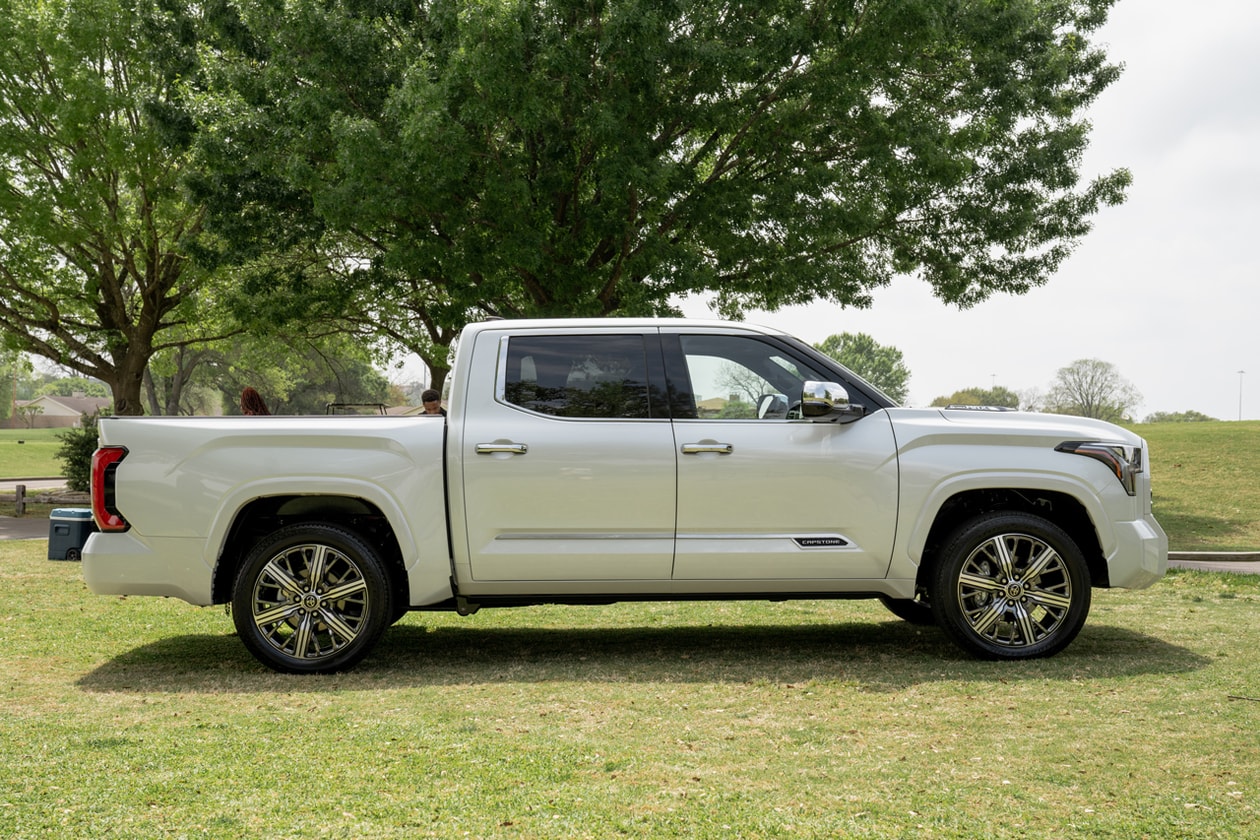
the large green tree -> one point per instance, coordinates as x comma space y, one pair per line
592, 157
94, 270
881, 365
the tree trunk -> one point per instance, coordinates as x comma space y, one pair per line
127, 386
437, 375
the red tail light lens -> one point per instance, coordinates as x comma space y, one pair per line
104, 464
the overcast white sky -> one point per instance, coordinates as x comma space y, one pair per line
1165, 287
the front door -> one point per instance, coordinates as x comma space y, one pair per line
763, 494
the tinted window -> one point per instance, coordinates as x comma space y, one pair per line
578, 375
738, 377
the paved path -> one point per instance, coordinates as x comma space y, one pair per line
1241, 562
9, 485
23, 528
28, 527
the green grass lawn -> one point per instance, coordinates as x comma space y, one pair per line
146, 718
1206, 482
29, 453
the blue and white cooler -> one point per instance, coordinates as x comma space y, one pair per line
68, 530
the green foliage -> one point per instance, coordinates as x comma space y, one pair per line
557, 157
15, 377
94, 225
1092, 388
997, 396
26, 414
68, 386
738, 410
75, 454
298, 375
1178, 417
882, 366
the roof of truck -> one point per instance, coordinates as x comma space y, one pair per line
603, 323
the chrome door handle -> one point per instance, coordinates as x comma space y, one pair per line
701, 448
495, 448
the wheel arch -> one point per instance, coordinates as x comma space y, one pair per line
1062, 509
262, 516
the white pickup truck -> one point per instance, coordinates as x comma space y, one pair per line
586, 462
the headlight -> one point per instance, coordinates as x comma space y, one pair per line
1123, 459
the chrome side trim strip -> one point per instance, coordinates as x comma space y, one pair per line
830, 542
586, 537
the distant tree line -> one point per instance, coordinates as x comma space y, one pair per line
1177, 417
1085, 388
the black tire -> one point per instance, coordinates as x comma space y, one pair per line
914, 610
312, 599
1010, 586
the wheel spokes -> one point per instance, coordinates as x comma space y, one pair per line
984, 619
280, 576
310, 601
1014, 590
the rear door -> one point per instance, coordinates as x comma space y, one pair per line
568, 462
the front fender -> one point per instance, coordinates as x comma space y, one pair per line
929, 500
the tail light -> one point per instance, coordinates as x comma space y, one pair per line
105, 463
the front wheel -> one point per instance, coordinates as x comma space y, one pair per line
1011, 586
311, 599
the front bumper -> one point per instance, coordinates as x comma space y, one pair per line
1140, 556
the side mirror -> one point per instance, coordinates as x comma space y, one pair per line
828, 402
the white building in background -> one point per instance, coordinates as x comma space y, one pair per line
52, 412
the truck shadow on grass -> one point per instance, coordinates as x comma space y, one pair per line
876, 657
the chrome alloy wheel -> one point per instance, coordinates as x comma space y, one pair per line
1014, 590
309, 601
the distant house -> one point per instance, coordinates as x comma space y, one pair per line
711, 407
51, 412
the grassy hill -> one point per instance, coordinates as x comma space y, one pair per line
1206, 478
1206, 482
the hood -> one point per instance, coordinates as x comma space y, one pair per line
1051, 429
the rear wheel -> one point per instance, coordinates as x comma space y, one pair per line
1011, 586
311, 598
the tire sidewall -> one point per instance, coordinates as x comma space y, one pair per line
370, 565
959, 547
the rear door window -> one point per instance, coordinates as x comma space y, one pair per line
602, 376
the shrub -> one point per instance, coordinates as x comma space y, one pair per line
75, 453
